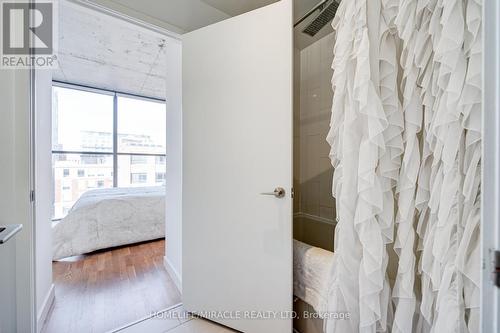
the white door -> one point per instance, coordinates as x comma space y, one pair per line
237, 144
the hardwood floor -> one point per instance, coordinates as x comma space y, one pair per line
104, 290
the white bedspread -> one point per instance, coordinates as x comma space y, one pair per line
105, 218
312, 274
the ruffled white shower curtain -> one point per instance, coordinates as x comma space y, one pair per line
405, 138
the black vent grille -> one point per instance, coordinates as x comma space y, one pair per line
323, 18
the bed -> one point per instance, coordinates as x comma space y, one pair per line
105, 218
312, 276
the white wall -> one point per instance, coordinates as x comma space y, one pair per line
43, 193
314, 173
314, 206
15, 206
173, 225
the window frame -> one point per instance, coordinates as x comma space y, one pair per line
114, 153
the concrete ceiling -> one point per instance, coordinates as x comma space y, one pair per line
183, 16
105, 52
178, 16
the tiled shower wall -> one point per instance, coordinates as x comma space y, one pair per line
312, 168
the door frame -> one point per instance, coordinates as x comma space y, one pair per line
17, 184
490, 196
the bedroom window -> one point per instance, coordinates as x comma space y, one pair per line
103, 139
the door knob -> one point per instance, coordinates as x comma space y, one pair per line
279, 192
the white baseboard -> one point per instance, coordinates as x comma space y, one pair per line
45, 308
316, 218
176, 277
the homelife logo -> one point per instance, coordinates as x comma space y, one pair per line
29, 34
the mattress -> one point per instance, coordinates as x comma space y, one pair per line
312, 274
106, 218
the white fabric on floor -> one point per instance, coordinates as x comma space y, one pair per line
312, 273
405, 136
105, 218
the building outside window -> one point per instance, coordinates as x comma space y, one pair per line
138, 178
160, 177
86, 124
137, 159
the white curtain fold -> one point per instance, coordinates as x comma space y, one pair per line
405, 137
